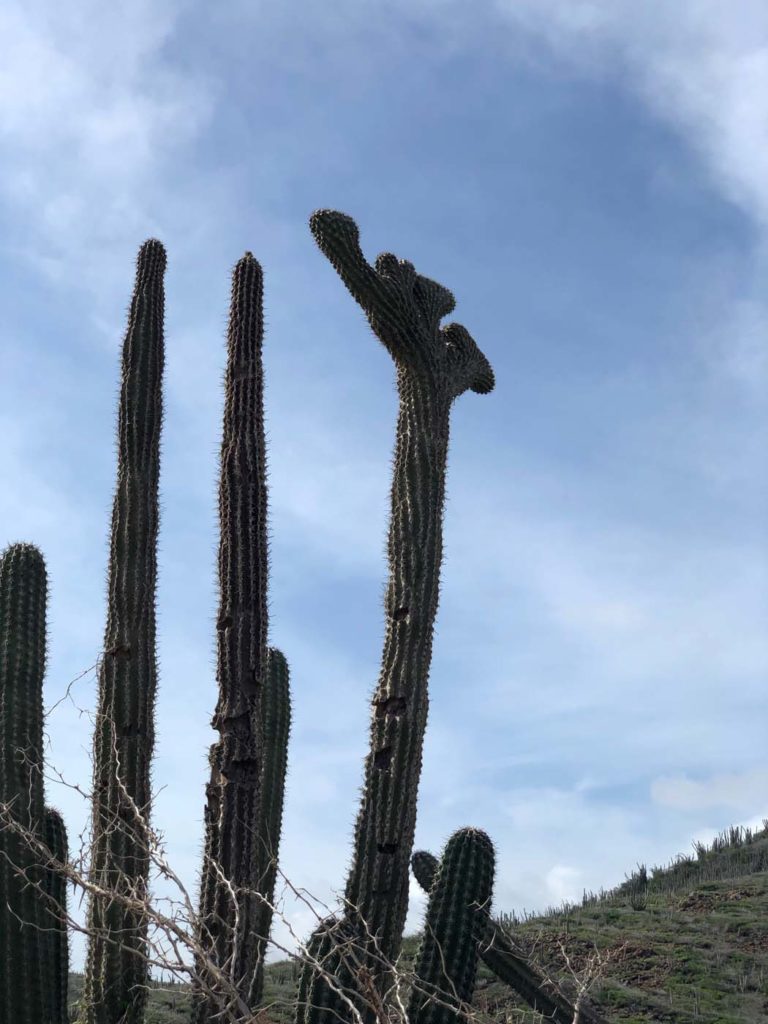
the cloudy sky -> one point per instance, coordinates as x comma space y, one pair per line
591, 180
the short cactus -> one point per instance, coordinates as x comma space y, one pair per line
446, 963
434, 365
25, 984
332, 947
499, 955
116, 971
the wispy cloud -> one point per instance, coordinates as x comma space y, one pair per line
90, 111
734, 795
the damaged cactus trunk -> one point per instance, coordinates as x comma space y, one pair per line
235, 861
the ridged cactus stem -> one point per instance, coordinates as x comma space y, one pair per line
232, 842
510, 966
446, 963
57, 967
23, 590
116, 971
435, 365
276, 716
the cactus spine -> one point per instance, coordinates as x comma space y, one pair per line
229, 929
58, 948
435, 365
508, 964
446, 964
24, 994
116, 971
276, 717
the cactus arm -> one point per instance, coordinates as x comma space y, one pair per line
434, 365
446, 963
500, 956
116, 971
233, 793
338, 238
424, 866
24, 996
56, 888
276, 715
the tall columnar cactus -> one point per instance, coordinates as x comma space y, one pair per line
57, 965
116, 971
508, 964
435, 364
446, 964
24, 984
233, 847
276, 718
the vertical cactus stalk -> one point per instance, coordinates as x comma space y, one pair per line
276, 718
233, 849
116, 972
446, 964
435, 364
23, 593
508, 963
57, 967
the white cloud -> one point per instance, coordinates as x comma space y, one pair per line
88, 112
564, 883
702, 67
738, 792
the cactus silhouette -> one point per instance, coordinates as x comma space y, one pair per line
116, 969
29, 990
233, 847
57, 966
510, 966
446, 963
276, 717
434, 365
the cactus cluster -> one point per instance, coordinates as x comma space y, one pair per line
434, 365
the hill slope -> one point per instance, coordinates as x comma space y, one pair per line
686, 944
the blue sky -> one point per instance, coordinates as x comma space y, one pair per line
591, 180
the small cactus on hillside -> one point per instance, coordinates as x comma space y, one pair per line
508, 964
446, 963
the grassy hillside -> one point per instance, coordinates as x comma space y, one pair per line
683, 943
